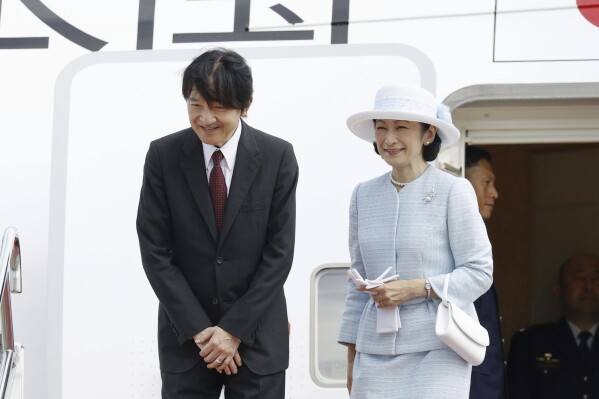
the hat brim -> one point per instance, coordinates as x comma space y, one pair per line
362, 125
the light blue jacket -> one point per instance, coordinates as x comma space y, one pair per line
429, 228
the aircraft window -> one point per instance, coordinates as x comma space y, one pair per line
328, 359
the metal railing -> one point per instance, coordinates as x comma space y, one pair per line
10, 275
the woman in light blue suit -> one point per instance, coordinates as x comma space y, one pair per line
422, 223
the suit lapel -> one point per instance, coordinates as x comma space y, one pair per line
194, 169
247, 164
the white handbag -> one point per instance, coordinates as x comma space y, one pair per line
459, 331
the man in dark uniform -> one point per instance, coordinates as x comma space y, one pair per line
488, 379
561, 360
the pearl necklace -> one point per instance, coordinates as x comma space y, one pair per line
398, 183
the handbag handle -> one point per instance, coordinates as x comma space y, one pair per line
445, 299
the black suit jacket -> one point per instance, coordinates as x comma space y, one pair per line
544, 362
235, 279
488, 379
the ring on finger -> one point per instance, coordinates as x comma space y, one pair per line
218, 361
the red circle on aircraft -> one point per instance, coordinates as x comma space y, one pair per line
590, 10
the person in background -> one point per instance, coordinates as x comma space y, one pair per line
422, 224
488, 379
216, 228
480, 174
561, 360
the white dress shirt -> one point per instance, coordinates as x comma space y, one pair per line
576, 331
229, 151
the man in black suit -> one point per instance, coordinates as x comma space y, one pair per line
488, 378
561, 360
216, 227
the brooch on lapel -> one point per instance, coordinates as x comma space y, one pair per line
546, 362
431, 195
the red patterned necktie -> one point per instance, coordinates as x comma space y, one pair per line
218, 189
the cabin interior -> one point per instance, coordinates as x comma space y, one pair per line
545, 155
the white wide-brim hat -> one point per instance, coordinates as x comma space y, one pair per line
406, 103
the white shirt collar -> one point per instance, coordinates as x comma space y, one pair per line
576, 330
229, 150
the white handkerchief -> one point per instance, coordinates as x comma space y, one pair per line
380, 280
387, 320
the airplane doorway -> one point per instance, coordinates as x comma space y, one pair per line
547, 210
545, 154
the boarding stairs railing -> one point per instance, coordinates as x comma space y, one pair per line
11, 353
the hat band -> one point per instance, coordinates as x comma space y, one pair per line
398, 104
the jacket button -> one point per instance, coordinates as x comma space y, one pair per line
215, 301
219, 260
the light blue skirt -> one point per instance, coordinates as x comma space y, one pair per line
423, 375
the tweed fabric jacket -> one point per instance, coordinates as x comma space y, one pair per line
429, 228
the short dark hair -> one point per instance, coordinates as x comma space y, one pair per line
564, 265
474, 155
220, 76
430, 151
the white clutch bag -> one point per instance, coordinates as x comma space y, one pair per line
459, 331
